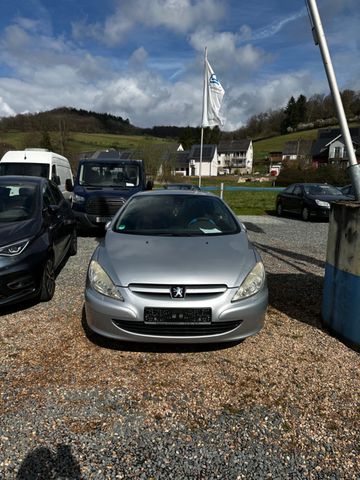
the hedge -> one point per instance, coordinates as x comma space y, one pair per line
327, 174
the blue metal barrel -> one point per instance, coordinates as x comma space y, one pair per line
341, 301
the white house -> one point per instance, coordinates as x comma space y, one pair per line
235, 156
209, 164
330, 148
297, 149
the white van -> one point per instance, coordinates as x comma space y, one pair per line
38, 162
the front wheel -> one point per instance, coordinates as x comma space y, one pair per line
279, 209
305, 214
47, 287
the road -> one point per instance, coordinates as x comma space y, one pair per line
281, 404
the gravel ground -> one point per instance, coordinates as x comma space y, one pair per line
283, 404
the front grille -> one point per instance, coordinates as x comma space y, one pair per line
104, 206
177, 330
195, 292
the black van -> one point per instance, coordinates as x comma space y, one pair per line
103, 183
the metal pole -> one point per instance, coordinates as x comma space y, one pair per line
222, 190
320, 39
201, 154
202, 116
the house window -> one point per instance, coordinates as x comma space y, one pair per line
337, 152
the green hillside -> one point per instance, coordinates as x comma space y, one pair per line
276, 144
76, 143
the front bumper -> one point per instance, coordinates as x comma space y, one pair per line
322, 212
20, 277
125, 320
85, 220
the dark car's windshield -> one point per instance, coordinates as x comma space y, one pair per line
176, 215
17, 201
322, 190
25, 168
109, 174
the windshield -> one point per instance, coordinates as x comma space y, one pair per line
17, 201
322, 190
109, 175
25, 168
176, 215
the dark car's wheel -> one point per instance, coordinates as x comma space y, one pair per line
305, 214
47, 287
73, 244
279, 209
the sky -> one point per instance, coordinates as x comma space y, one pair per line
143, 59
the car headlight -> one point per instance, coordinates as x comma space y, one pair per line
252, 283
321, 203
14, 248
101, 282
78, 199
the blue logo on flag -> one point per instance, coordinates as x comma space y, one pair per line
214, 80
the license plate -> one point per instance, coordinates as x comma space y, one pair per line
102, 219
177, 315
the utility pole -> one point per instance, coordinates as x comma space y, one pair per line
320, 39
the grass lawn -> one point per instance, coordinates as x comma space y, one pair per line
251, 203
259, 202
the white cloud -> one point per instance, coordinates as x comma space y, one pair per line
5, 110
224, 53
44, 71
271, 93
179, 16
275, 27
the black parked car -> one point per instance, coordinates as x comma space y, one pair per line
348, 190
308, 199
37, 234
181, 186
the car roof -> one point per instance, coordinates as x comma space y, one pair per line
179, 185
313, 183
175, 192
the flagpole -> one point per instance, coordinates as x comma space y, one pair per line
201, 154
202, 118
320, 39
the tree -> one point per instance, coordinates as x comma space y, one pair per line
301, 109
45, 141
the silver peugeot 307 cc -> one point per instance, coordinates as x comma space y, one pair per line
175, 267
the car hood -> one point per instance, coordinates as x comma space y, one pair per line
220, 260
12, 232
329, 198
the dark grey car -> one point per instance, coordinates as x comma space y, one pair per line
176, 267
308, 199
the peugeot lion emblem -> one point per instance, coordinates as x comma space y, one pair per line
177, 292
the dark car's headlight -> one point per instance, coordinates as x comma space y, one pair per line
101, 282
14, 248
252, 283
321, 203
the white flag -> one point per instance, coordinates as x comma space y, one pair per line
213, 95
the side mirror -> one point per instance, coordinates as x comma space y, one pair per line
69, 187
149, 185
107, 225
